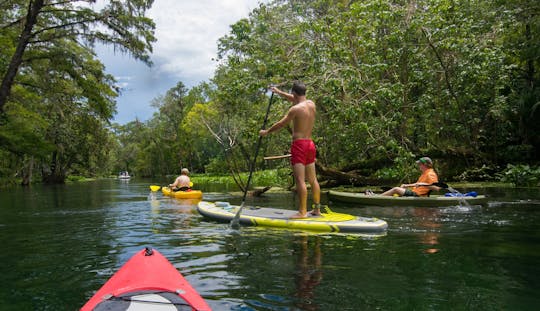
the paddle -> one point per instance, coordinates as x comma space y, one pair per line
436, 184
235, 222
283, 156
156, 187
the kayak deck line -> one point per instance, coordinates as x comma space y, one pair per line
380, 200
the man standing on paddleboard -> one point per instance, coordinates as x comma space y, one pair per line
302, 115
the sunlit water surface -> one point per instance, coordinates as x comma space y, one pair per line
59, 244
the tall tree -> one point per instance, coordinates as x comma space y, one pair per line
43, 23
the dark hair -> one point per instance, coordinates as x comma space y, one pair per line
299, 88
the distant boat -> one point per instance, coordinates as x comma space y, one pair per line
124, 175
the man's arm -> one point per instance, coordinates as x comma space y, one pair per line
175, 184
285, 95
279, 124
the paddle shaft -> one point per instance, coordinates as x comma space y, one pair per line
236, 220
278, 157
437, 184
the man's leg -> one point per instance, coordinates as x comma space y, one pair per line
396, 190
299, 178
311, 176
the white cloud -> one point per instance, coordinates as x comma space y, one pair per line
187, 32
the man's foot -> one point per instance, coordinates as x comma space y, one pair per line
316, 210
298, 216
369, 192
315, 213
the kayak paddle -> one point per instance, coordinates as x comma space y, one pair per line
235, 222
156, 188
436, 184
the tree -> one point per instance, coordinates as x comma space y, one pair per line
49, 69
393, 79
44, 23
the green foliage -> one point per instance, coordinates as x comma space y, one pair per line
56, 99
522, 175
392, 78
75, 178
260, 178
217, 166
277, 177
455, 80
483, 173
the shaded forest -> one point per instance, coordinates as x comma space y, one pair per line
457, 81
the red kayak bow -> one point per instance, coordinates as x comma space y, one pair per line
147, 281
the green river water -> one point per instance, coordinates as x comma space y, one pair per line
59, 244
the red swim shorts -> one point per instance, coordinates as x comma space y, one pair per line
303, 151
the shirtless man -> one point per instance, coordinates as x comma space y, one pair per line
302, 115
182, 182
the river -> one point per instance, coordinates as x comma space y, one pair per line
59, 244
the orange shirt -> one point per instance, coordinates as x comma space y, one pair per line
428, 176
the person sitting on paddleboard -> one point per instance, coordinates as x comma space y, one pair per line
420, 188
182, 182
302, 115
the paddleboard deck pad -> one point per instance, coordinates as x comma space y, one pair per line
273, 217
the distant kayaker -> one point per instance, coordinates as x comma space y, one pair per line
420, 188
182, 182
302, 115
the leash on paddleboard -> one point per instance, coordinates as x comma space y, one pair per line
235, 222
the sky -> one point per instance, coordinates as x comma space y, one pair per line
187, 32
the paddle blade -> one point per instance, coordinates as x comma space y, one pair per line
190, 184
235, 222
154, 188
440, 185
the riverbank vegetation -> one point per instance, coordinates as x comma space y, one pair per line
454, 80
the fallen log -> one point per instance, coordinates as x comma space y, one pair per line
259, 192
344, 178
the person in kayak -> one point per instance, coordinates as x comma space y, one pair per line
182, 182
420, 188
302, 115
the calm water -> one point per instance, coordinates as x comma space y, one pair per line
59, 244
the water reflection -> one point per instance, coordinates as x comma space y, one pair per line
308, 270
62, 243
154, 202
428, 221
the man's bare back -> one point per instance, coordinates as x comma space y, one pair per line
303, 118
301, 114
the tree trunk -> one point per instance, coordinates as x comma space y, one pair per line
27, 172
34, 8
56, 175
